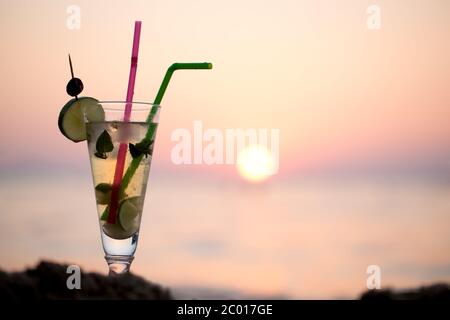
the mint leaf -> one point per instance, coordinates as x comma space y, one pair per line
134, 151
100, 155
144, 147
103, 145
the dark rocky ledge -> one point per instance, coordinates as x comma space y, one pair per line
439, 291
48, 281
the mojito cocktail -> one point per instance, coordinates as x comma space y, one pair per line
105, 138
120, 137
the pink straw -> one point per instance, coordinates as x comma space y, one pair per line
122, 153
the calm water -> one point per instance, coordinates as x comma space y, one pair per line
309, 239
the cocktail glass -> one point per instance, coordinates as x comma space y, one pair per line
120, 229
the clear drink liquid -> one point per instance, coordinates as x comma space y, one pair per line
120, 238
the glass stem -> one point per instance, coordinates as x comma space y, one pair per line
118, 264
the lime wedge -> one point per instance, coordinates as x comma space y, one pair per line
71, 117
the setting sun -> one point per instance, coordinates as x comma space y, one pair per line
255, 163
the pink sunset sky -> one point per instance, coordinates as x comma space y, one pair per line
343, 96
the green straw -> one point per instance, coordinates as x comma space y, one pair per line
165, 83
159, 96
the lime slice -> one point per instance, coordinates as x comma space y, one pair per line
71, 117
103, 197
115, 231
129, 212
128, 222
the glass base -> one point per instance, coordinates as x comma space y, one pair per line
118, 264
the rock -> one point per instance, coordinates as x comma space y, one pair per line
48, 281
439, 291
